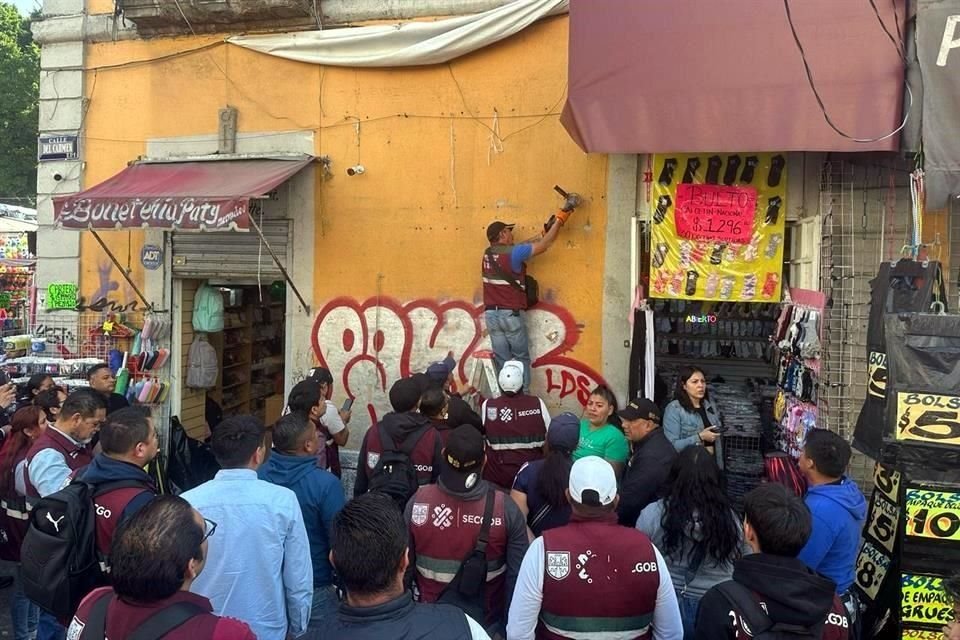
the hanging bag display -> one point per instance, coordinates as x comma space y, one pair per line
923, 396
900, 287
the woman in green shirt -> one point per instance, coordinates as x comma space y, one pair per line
597, 436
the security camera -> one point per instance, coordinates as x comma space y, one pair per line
355, 170
58, 177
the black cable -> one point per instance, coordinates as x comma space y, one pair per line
169, 56
897, 44
816, 93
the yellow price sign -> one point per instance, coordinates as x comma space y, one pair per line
872, 566
886, 480
883, 522
877, 374
933, 514
928, 417
921, 634
923, 600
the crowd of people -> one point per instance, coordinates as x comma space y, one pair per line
509, 523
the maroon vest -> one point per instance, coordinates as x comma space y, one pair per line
444, 529
423, 456
14, 516
515, 435
109, 509
498, 292
76, 456
598, 576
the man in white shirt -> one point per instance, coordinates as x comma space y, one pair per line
258, 566
593, 578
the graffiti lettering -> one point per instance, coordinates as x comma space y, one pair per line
103, 304
55, 335
569, 383
368, 345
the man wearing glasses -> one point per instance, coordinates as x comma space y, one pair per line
64, 447
157, 555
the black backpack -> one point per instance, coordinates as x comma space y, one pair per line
153, 628
60, 563
755, 620
395, 474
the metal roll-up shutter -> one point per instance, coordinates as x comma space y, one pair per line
231, 255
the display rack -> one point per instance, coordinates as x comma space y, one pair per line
250, 352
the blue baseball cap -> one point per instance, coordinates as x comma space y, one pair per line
564, 432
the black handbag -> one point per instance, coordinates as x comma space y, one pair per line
466, 591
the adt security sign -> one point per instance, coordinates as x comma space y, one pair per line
151, 256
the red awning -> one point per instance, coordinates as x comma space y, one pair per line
726, 75
207, 195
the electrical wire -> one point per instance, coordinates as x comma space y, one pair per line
897, 42
169, 56
816, 93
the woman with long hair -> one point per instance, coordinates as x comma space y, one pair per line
25, 426
696, 530
598, 435
540, 486
691, 419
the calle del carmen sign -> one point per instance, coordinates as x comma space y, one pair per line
230, 213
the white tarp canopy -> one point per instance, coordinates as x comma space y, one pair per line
14, 219
405, 44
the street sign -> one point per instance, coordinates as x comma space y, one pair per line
58, 148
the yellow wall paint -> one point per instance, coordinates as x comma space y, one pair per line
412, 227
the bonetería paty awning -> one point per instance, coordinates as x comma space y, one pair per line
727, 75
201, 195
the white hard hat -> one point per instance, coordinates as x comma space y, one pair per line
511, 376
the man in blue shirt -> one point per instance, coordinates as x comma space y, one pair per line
838, 509
292, 464
504, 273
256, 567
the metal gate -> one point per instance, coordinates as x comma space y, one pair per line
231, 255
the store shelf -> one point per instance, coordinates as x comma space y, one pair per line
234, 365
237, 328
235, 405
235, 385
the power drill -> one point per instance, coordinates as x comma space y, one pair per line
570, 202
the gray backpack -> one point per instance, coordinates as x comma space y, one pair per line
202, 366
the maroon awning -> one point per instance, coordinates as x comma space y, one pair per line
726, 75
208, 195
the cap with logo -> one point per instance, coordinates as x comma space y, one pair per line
511, 376
564, 432
462, 459
493, 231
593, 482
642, 409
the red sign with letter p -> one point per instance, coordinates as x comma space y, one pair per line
715, 212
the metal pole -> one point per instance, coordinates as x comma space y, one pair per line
123, 272
276, 260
